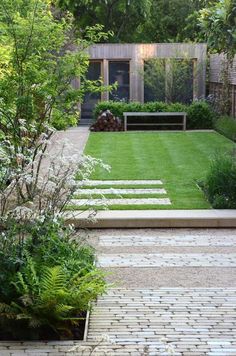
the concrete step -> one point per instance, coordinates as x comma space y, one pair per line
86, 122
153, 218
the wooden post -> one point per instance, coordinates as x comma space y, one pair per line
168, 80
105, 74
184, 126
125, 122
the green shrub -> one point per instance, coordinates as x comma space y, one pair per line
220, 183
63, 121
47, 280
200, 115
158, 106
117, 108
177, 107
226, 125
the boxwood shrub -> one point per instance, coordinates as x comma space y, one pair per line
200, 115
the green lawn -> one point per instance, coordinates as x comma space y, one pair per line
179, 159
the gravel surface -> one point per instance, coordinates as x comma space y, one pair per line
156, 277
172, 277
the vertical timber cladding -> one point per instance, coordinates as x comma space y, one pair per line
215, 81
136, 54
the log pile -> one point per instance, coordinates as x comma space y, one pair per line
106, 121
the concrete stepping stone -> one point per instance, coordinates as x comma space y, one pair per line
167, 260
118, 182
171, 240
120, 191
128, 201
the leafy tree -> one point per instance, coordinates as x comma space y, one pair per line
172, 21
218, 24
120, 16
38, 63
140, 20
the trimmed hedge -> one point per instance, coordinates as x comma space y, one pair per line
226, 125
200, 115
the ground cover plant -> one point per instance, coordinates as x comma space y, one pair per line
179, 159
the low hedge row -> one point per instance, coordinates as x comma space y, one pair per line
200, 115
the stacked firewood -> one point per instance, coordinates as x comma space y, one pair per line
106, 121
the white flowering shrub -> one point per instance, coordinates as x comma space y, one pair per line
48, 183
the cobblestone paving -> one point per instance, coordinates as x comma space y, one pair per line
198, 321
187, 321
169, 240
167, 260
125, 201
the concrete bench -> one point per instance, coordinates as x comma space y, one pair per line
159, 114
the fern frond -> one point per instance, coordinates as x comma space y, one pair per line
62, 310
53, 279
6, 311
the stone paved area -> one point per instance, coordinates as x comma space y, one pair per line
195, 238
120, 182
118, 201
165, 306
167, 260
122, 191
191, 321
76, 137
114, 199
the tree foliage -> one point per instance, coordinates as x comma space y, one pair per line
40, 58
218, 24
140, 20
119, 16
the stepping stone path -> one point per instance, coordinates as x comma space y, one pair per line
148, 319
122, 191
117, 196
119, 182
125, 201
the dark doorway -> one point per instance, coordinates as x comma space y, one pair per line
91, 99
